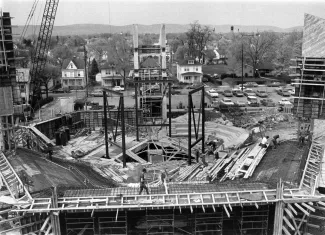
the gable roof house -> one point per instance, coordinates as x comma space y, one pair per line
110, 77
73, 74
189, 71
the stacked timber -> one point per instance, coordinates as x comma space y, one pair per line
244, 163
186, 172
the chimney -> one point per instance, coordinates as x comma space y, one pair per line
163, 46
135, 46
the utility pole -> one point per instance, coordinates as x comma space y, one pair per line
86, 75
242, 66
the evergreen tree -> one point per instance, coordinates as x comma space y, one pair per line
93, 69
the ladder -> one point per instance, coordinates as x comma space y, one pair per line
10, 178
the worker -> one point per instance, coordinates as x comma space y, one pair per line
263, 143
50, 154
164, 179
208, 177
216, 155
302, 138
143, 182
197, 155
203, 159
275, 141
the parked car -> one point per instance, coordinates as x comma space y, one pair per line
250, 84
284, 102
261, 93
118, 88
240, 103
61, 90
175, 86
96, 93
213, 93
227, 93
292, 91
252, 101
268, 102
274, 84
237, 92
226, 101
284, 92
249, 92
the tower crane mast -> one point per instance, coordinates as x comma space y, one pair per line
42, 47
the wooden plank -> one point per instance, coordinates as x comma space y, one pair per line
288, 223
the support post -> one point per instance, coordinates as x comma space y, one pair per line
189, 129
170, 108
86, 77
242, 66
55, 222
136, 109
203, 119
123, 130
105, 123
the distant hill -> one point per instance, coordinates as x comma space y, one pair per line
85, 29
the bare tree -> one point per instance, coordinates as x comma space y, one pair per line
50, 73
120, 53
259, 48
197, 38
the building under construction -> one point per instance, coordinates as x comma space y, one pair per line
58, 179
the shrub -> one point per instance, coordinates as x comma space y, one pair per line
42, 102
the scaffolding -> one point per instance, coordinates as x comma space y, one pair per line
76, 224
254, 220
113, 224
209, 222
310, 87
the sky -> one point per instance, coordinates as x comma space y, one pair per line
283, 14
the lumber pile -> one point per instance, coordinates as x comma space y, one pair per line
244, 163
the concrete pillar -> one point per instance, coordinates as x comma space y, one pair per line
163, 46
135, 46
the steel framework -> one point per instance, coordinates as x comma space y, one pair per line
120, 119
42, 46
196, 128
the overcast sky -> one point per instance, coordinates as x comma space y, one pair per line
283, 14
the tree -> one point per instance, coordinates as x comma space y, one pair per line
259, 48
97, 48
120, 52
60, 53
50, 73
181, 52
210, 55
197, 38
93, 70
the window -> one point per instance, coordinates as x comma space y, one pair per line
71, 82
106, 81
108, 72
22, 87
71, 66
65, 82
186, 69
197, 69
72, 74
187, 77
79, 82
191, 62
78, 73
65, 74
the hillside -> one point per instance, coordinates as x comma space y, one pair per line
85, 29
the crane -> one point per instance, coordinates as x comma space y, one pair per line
42, 47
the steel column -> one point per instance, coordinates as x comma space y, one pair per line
105, 123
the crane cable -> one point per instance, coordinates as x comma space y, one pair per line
30, 16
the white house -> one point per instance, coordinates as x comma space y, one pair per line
73, 74
189, 71
110, 77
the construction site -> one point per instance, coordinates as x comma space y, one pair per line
79, 173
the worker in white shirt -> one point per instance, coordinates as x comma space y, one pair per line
263, 144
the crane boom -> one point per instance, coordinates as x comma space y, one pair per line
42, 47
